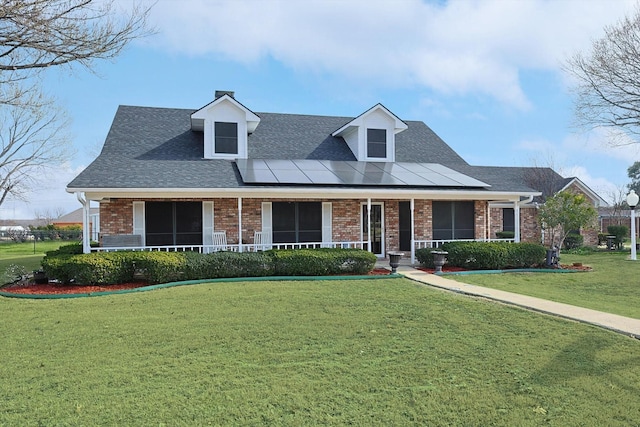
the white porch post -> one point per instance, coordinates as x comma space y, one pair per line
516, 220
86, 243
369, 225
413, 229
487, 232
239, 224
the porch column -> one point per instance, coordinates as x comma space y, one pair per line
516, 220
239, 224
487, 231
369, 225
413, 247
86, 243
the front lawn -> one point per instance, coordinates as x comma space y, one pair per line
613, 285
363, 352
25, 254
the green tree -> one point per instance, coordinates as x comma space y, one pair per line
565, 212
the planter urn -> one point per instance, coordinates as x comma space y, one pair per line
394, 260
439, 259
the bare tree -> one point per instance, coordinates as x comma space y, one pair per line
542, 176
47, 216
32, 139
38, 34
618, 199
607, 93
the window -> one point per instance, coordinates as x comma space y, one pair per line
295, 222
453, 220
173, 223
508, 219
226, 138
376, 143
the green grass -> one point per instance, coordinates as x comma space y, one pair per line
379, 352
613, 285
23, 254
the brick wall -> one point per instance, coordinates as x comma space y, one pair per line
117, 218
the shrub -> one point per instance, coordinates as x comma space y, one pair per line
505, 234
94, 268
160, 267
227, 264
321, 262
425, 257
487, 255
620, 231
573, 240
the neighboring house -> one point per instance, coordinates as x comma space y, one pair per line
549, 183
225, 177
616, 216
75, 218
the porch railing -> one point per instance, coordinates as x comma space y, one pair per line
246, 247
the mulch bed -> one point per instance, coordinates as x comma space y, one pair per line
51, 288
447, 269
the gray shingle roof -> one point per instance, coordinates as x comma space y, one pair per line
156, 148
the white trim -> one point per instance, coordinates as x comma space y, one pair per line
139, 221
300, 193
208, 224
327, 222
413, 231
369, 204
267, 222
240, 223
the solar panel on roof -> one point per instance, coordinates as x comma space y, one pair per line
333, 172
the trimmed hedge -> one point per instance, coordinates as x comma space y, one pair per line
621, 232
487, 255
104, 268
321, 262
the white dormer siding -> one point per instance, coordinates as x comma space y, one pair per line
371, 136
226, 124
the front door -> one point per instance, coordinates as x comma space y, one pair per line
377, 227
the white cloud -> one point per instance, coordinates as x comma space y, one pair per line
458, 47
49, 196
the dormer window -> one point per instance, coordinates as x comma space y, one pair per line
226, 125
377, 143
226, 138
371, 136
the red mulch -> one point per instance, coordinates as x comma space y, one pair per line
447, 269
56, 288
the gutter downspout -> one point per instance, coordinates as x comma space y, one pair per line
239, 224
516, 211
86, 245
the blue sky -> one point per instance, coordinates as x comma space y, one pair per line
484, 75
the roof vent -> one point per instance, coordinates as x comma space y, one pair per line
220, 93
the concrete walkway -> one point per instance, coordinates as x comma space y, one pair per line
621, 324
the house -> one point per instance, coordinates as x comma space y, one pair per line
225, 177
74, 218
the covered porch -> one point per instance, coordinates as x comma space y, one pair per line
389, 220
